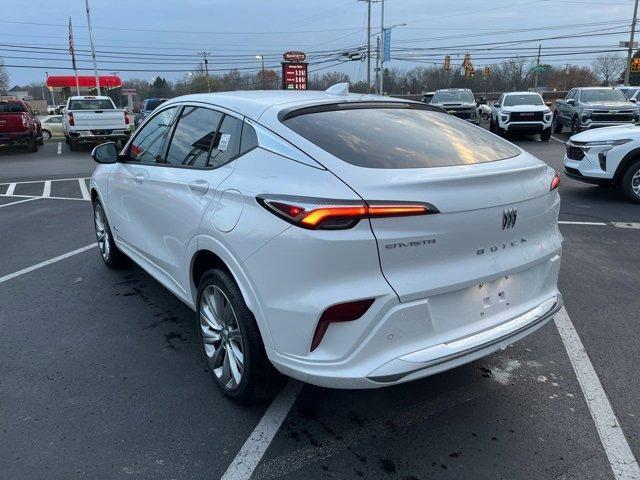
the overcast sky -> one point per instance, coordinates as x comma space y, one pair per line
160, 35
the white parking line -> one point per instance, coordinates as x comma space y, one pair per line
623, 463
10, 190
46, 191
46, 262
48, 198
83, 189
19, 201
253, 449
59, 152
52, 180
567, 222
558, 140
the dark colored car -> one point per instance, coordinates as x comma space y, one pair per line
148, 106
19, 125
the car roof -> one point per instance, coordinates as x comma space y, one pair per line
254, 102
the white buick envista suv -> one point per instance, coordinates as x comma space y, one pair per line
349, 241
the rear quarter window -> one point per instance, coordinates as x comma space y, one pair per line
383, 137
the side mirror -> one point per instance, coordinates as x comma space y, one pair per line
105, 153
571, 101
496, 104
548, 104
633, 100
36, 112
483, 100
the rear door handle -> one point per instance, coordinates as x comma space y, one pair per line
138, 179
199, 186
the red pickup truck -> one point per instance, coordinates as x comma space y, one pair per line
19, 125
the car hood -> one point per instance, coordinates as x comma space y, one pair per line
608, 133
605, 105
454, 105
526, 108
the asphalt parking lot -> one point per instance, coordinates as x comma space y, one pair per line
103, 377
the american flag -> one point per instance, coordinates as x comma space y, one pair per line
71, 48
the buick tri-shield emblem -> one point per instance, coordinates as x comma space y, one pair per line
509, 217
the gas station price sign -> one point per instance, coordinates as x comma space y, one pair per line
294, 75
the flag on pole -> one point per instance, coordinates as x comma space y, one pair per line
71, 47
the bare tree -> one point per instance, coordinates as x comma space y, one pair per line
514, 73
608, 68
4, 78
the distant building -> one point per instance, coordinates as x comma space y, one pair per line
19, 93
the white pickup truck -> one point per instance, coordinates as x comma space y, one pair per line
92, 119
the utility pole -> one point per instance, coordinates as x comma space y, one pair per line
53, 98
627, 72
261, 58
93, 48
368, 46
535, 84
206, 68
381, 54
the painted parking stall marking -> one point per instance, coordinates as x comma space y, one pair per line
56, 189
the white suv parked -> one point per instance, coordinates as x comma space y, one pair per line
319, 235
606, 156
521, 112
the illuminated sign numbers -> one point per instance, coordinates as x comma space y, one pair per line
294, 71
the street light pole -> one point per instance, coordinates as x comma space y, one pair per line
627, 72
368, 46
93, 48
261, 58
381, 54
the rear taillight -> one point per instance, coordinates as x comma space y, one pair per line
327, 214
71, 121
25, 120
126, 118
555, 181
342, 312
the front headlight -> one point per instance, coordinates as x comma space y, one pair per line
610, 143
504, 117
587, 113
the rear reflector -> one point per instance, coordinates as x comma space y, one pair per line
342, 312
555, 182
326, 214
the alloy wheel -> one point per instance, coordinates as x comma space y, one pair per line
46, 135
635, 183
221, 337
102, 233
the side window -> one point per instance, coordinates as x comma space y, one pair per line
148, 144
226, 145
501, 99
54, 120
249, 138
193, 136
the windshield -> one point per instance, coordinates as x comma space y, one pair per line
453, 96
524, 99
153, 104
11, 107
602, 95
91, 104
398, 137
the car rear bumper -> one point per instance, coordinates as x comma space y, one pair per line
86, 136
420, 363
15, 138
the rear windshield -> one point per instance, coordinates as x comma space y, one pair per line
11, 107
524, 99
399, 137
602, 95
629, 92
91, 104
153, 104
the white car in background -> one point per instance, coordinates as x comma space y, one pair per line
521, 112
52, 126
318, 234
92, 119
606, 156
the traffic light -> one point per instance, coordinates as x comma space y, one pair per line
447, 63
635, 65
487, 72
469, 71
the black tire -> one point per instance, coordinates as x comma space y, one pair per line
545, 135
492, 126
557, 126
628, 182
46, 135
32, 146
114, 258
73, 146
260, 380
575, 126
